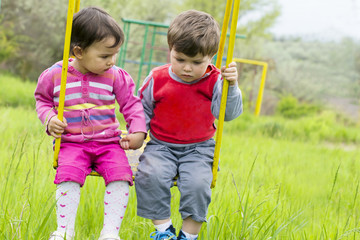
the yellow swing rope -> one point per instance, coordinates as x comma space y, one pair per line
219, 131
73, 6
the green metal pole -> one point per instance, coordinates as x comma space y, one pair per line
142, 57
153, 24
123, 50
151, 49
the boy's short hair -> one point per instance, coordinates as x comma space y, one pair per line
193, 32
93, 24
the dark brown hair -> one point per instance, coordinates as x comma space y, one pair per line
193, 32
93, 24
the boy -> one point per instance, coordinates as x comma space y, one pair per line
181, 101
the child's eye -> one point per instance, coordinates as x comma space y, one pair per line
197, 63
179, 59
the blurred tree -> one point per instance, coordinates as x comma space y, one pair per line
314, 70
39, 26
8, 41
357, 68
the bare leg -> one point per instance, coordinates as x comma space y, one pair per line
191, 226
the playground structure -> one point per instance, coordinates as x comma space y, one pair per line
232, 8
152, 29
262, 82
149, 27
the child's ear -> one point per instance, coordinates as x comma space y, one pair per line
78, 52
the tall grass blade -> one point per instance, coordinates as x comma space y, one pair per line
42, 225
248, 177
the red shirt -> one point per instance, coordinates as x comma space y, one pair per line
182, 112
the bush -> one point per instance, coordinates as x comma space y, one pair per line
289, 107
8, 42
325, 126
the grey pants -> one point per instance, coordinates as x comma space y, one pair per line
158, 166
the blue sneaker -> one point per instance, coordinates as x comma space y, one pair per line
169, 234
182, 236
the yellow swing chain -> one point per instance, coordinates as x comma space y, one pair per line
229, 57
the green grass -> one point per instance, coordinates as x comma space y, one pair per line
267, 188
14, 92
291, 180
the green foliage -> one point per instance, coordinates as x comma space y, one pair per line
313, 70
289, 107
15, 92
325, 126
8, 42
40, 25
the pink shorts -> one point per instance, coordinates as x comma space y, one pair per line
77, 160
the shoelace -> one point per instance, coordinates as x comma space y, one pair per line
160, 235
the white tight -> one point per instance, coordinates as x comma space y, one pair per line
115, 202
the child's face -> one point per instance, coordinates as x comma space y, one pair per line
97, 58
187, 68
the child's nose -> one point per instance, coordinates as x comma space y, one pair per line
112, 61
187, 67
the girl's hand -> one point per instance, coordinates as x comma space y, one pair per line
230, 73
56, 127
132, 141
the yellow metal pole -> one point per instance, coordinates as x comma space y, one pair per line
229, 57
249, 61
223, 33
262, 83
261, 91
70, 14
77, 6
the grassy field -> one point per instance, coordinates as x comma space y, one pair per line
279, 179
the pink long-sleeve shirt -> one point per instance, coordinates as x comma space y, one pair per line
90, 103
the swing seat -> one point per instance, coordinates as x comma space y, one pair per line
133, 158
132, 155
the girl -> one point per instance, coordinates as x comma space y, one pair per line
90, 132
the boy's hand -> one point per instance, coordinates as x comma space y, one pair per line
56, 127
132, 141
230, 73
